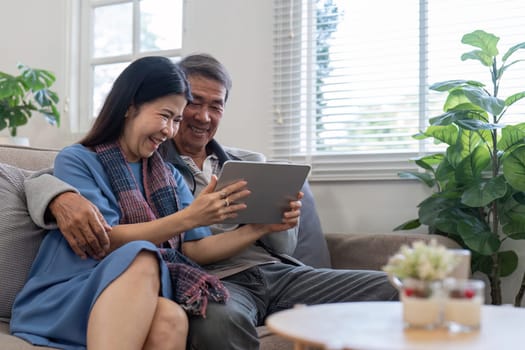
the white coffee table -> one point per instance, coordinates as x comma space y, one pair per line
379, 326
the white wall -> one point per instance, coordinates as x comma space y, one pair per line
33, 32
239, 33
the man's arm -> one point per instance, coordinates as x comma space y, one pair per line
52, 202
283, 242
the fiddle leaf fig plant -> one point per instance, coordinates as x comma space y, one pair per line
478, 182
24, 94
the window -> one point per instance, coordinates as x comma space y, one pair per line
115, 32
351, 77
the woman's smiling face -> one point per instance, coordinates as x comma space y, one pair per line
149, 125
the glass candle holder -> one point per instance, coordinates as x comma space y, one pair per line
462, 304
422, 303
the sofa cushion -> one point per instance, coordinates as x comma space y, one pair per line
9, 342
311, 245
19, 236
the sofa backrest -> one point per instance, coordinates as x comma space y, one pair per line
19, 236
311, 244
29, 158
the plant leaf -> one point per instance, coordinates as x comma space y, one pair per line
408, 225
445, 174
487, 42
456, 98
429, 161
474, 124
511, 135
452, 84
505, 67
483, 242
514, 168
508, 262
512, 216
444, 119
426, 178
514, 98
482, 263
466, 143
519, 197
481, 98
35, 79
517, 235
514, 229
448, 219
430, 208
512, 50
471, 167
479, 194
10, 86
479, 55
447, 134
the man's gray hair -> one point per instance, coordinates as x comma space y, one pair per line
209, 67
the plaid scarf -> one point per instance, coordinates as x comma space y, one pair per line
192, 286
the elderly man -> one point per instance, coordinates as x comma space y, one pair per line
263, 278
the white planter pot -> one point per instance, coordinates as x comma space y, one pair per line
14, 140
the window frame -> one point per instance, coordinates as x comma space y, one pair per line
83, 63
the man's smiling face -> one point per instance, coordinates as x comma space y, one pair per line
202, 116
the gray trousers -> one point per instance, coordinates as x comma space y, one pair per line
265, 289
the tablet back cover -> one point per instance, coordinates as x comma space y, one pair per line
273, 185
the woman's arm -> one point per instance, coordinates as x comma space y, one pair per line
208, 208
221, 246
81, 169
224, 245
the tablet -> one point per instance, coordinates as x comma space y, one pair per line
273, 185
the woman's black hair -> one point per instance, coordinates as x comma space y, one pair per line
144, 80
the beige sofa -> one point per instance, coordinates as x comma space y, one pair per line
353, 251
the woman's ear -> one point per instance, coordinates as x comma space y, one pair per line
131, 112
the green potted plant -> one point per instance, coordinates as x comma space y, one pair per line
24, 94
478, 182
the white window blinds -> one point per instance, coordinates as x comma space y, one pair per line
351, 77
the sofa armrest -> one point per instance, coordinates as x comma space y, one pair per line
372, 251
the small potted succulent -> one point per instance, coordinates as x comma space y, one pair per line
422, 261
418, 272
24, 94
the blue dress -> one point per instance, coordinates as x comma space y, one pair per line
53, 307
